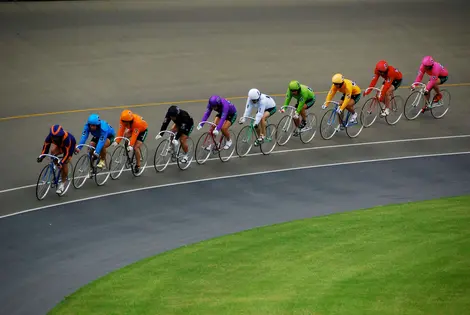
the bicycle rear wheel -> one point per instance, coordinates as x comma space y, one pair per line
43, 184
81, 171
413, 105
396, 110
270, 141
162, 155
102, 174
353, 129
180, 155
285, 128
329, 125
118, 162
143, 160
226, 154
245, 141
439, 110
204, 147
370, 111
311, 129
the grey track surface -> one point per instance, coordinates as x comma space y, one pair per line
74, 55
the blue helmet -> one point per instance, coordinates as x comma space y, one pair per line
94, 119
214, 100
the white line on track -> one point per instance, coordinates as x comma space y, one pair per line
236, 176
301, 149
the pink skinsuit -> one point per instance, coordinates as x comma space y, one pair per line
437, 71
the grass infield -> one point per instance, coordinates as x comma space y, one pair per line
410, 258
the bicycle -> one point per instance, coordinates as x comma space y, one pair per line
51, 177
87, 167
209, 145
168, 152
418, 94
288, 121
267, 145
329, 118
120, 159
373, 103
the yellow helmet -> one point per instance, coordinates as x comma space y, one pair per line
337, 79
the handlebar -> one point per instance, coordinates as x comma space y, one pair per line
127, 139
373, 88
249, 117
50, 155
85, 145
168, 132
208, 122
420, 84
289, 107
334, 102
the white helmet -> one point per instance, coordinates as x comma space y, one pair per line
254, 95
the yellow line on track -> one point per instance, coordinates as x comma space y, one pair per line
96, 109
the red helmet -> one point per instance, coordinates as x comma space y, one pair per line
382, 66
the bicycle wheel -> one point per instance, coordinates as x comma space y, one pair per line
396, 111
270, 141
81, 171
370, 111
44, 182
412, 107
353, 129
69, 178
143, 160
309, 131
245, 140
102, 174
439, 110
204, 147
285, 128
162, 155
226, 154
189, 155
118, 162
330, 122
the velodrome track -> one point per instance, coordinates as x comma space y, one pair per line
63, 59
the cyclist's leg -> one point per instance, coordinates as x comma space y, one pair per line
216, 121
140, 139
350, 107
228, 122
303, 113
438, 96
186, 130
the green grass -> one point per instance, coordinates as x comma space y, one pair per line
401, 259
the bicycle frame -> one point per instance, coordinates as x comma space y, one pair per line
53, 167
421, 87
334, 113
214, 138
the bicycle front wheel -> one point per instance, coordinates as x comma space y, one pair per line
269, 142
102, 174
439, 110
204, 147
44, 182
308, 132
162, 155
184, 159
81, 171
329, 125
412, 107
226, 154
285, 129
118, 162
142, 160
396, 111
353, 129
245, 141
370, 111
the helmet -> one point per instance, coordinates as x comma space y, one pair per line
254, 95
337, 79
127, 115
214, 100
173, 111
57, 131
94, 119
382, 66
428, 61
294, 85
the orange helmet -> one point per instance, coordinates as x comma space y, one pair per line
382, 66
127, 115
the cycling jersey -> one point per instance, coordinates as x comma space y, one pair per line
138, 125
66, 145
306, 95
392, 74
225, 109
103, 132
435, 72
183, 121
349, 89
265, 102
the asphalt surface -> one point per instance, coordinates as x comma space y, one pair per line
76, 56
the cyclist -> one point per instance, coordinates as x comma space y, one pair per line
63, 143
227, 115
103, 135
351, 95
438, 75
183, 126
392, 80
305, 97
133, 126
266, 108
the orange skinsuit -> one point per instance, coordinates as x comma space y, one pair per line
348, 88
138, 125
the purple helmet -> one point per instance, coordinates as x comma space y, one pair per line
214, 100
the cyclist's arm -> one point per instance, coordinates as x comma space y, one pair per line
120, 132
206, 114
301, 103
248, 108
375, 78
223, 117
85, 134
347, 94
260, 112
47, 144
433, 78
330, 94
135, 134
420, 75
288, 98
68, 150
386, 87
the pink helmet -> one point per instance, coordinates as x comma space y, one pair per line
427, 61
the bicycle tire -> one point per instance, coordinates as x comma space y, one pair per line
222, 150
165, 147
44, 172
286, 125
414, 103
303, 137
247, 130
396, 103
100, 180
349, 129
329, 114
69, 178
372, 103
118, 158
84, 160
183, 166
445, 94
271, 132
203, 142
143, 158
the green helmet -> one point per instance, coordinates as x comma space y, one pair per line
294, 85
